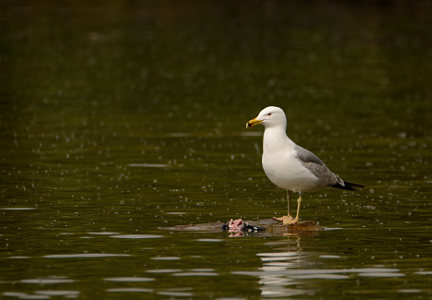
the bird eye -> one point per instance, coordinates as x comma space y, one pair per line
269, 114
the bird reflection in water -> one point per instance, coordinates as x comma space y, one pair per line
274, 276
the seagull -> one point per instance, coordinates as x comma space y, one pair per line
290, 166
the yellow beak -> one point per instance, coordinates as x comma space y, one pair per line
253, 122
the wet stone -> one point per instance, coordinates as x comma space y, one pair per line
267, 226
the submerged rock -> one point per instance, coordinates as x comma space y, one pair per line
268, 226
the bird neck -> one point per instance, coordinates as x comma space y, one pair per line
275, 138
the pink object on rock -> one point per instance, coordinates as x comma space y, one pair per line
236, 225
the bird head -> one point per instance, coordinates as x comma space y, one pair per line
269, 117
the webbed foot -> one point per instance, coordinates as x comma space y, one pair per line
287, 220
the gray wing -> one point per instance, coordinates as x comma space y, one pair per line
312, 162
307, 156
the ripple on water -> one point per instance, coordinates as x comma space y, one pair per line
334, 228
278, 256
320, 273
409, 291
47, 280
136, 236
424, 272
279, 264
272, 291
103, 233
144, 165
68, 294
165, 258
25, 296
320, 276
85, 255
175, 294
372, 270
129, 279
164, 271
188, 274
17, 208
330, 256
130, 290
14, 294
210, 240
381, 274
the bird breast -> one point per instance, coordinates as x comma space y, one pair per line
287, 172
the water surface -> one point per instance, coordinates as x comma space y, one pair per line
123, 117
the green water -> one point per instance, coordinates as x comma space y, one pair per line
121, 117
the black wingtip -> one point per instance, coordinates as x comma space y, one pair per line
348, 186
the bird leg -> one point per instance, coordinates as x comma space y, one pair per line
288, 220
288, 200
299, 200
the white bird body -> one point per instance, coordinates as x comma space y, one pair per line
290, 166
280, 163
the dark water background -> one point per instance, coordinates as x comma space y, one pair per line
119, 117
